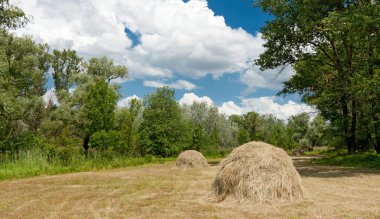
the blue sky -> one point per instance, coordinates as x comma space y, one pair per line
202, 49
237, 14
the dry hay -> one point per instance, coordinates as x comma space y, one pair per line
191, 158
257, 172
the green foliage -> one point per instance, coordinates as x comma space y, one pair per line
267, 128
99, 107
318, 132
106, 140
275, 132
163, 131
298, 125
23, 65
249, 124
304, 143
242, 136
199, 138
93, 105
210, 129
334, 48
105, 69
216, 153
66, 65
11, 17
128, 121
64, 160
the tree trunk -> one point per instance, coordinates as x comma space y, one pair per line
375, 115
86, 140
368, 143
353, 126
376, 121
346, 127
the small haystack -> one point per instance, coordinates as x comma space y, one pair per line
257, 172
191, 158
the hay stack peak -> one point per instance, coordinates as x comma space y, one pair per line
191, 158
257, 172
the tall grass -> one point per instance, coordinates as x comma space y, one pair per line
37, 162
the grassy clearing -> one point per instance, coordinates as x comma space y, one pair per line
342, 158
163, 191
35, 163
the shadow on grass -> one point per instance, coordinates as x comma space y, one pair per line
331, 164
213, 162
316, 166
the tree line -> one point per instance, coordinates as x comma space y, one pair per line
335, 71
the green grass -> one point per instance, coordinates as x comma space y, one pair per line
342, 158
35, 163
216, 153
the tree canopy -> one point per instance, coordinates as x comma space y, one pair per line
333, 47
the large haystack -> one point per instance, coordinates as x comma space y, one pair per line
191, 158
257, 172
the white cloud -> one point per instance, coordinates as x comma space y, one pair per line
180, 84
261, 105
125, 102
187, 38
255, 78
190, 98
89, 26
230, 108
270, 105
176, 37
50, 96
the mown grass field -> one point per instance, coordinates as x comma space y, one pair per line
163, 191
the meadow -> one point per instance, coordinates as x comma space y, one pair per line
163, 191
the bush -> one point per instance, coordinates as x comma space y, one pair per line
337, 142
304, 143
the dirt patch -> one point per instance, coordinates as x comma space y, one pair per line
162, 191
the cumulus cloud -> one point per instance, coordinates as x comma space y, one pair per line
271, 105
230, 108
261, 105
179, 84
186, 38
254, 78
125, 102
89, 26
190, 98
174, 37
166, 39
